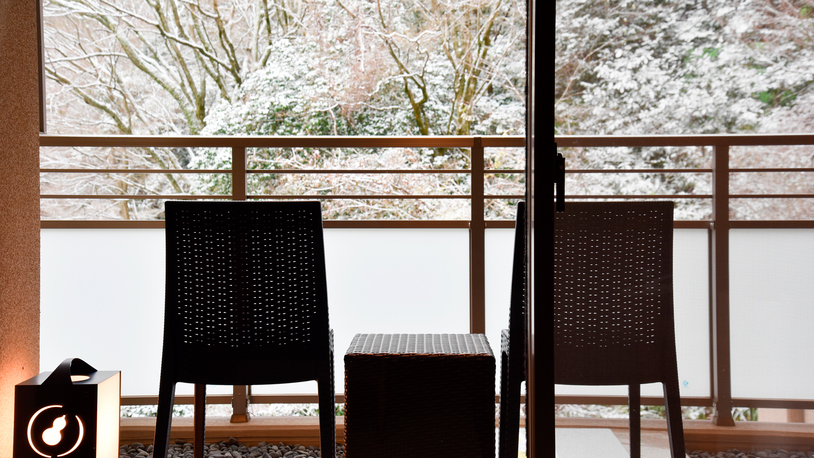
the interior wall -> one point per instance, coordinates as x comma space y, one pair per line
19, 206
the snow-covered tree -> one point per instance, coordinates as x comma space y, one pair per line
286, 67
679, 67
429, 67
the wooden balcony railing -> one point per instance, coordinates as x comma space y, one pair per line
718, 225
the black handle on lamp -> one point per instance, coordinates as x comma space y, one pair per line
71, 366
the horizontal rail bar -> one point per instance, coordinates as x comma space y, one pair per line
305, 398
91, 224
273, 196
256, 196
358, 171
768, 224
397, 171
609, 171
245, 141
328, 224
772, 170
701, 401
287, 171
292, 398
360, 196
685, 224
773, 403
227, 141
399, 224
771, 196
138, 171
640, 196
382, 171
134, 196
351, 224
503, 196
572, 141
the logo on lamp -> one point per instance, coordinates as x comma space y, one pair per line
52, 431
71, 412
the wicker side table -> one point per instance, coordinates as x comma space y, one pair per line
409, 395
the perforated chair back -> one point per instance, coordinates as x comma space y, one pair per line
517, 304
613, 292
246, 300
613, 302
245, 282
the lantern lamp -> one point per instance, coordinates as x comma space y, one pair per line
71, 412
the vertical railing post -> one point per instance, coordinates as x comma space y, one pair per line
240, 404
477, 257
721, 361
240, 393
238, 173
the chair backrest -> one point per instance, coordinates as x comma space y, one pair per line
613, 293
245, 281
517, 304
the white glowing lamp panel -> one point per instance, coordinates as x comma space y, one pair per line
80, 420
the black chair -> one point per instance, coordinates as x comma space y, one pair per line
246, 304
513, 346
613, 304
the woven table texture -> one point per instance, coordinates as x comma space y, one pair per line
436, 390
424, 344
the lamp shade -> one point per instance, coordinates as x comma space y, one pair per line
71, 412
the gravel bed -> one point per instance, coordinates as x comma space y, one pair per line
753, 453
234, 449
231, 449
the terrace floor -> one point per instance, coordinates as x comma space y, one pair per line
699, 434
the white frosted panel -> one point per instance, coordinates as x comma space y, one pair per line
103, 301
103, 296
499, 253
499, 246
691, 305
772, 312
398, 280
388, 281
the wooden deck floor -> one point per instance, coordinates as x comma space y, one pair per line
703, 435
698, 434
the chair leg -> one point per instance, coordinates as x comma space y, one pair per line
509, 423
200, 420
634, 403
163, 423
675, 426
327, 411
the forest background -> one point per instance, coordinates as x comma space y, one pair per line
419, 67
